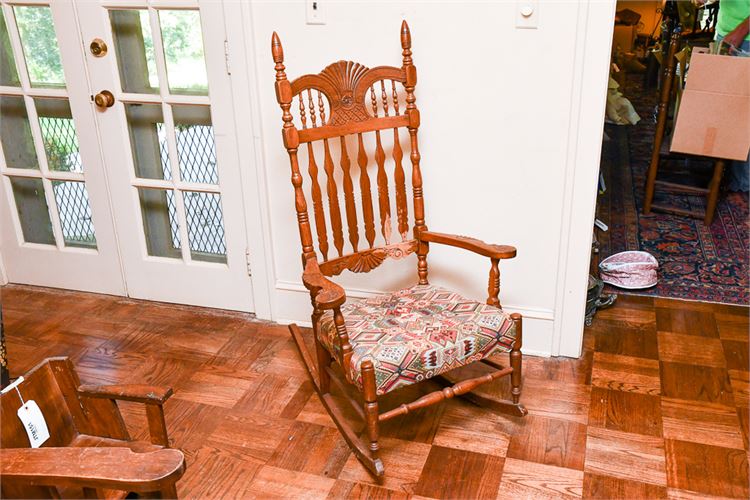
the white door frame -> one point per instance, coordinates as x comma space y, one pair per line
241, 60
593, 47
3, 274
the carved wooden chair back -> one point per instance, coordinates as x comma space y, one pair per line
52, 385
350, 114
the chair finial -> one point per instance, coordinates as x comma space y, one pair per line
278, 57
405, 35
276, 49
406, 44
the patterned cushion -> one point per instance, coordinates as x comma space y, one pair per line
417, 333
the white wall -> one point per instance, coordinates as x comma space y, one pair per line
505, 146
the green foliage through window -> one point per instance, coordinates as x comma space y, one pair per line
40, 47
183, 51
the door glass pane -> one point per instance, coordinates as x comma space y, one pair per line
75, 213
40, 46
183, 51
59, 135
160, 222
148, 141
205, 225
134, 46
32, 210
195, 144
8, 71
15, 133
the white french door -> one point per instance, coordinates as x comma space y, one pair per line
161, 119
55, 220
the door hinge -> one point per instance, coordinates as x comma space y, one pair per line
247, 262
226, 56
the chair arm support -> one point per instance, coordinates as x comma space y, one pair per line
151, 395
326, 293
111, 468
147, 394
471, 244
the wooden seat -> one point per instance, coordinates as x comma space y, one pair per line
352, 126
661, 155
89, 452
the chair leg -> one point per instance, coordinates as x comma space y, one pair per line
371, 406
713, 192
515, 359
324, 361
661, 121
169, 491
362, 450
653, 168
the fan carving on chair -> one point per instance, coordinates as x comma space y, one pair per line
393, 340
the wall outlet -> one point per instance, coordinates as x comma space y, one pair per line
527, 14
315, 12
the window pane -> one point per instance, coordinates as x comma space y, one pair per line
195, 144
59, 135
75, 213
160, 222
148, 141
15, 133
32, 210
134, 46
40, 48
183, 51
8, 71
205, 225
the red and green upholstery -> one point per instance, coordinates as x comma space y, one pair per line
417, 333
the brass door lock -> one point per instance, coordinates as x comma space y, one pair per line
104, 99
98, 47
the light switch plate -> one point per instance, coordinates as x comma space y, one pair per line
314, 11
527, 14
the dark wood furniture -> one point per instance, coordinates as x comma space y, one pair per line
369, 111
89, 450
679, 182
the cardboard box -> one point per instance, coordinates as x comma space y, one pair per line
714, 115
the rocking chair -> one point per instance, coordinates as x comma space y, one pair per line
393, 340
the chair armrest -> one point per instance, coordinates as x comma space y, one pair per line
148, 394
153, 396
471, 244
111, 468
326, 293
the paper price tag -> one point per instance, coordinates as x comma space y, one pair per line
33, 422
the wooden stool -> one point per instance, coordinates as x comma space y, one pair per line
661, 154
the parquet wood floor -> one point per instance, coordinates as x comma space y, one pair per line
657, 406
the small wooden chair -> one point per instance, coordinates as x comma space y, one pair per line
89, 450
661, 154
392, 340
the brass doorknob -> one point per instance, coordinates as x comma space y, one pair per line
104, 99
98, 47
